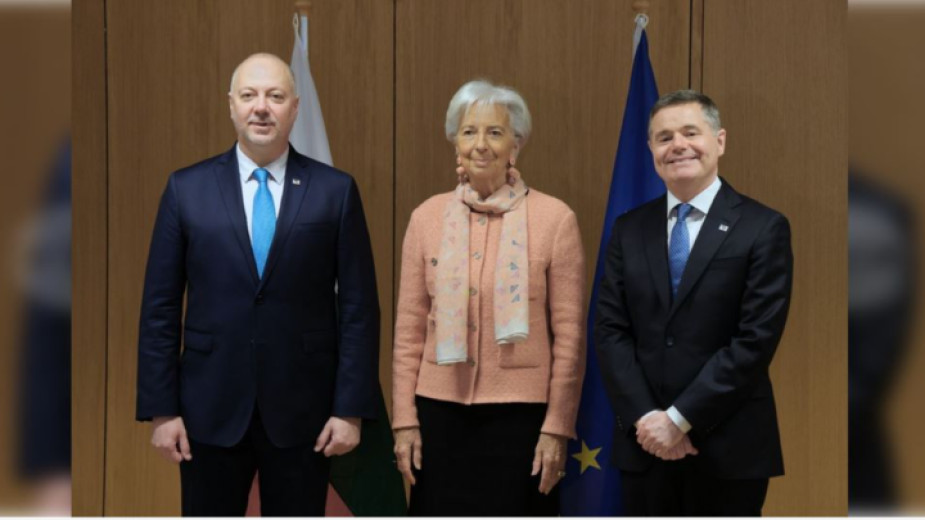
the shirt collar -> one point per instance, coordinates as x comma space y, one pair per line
277, 168
701, 202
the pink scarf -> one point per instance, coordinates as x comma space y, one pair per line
511, 297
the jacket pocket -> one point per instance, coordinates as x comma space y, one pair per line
198, 341
319, 342
530, 354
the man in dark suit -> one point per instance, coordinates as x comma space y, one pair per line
281, 332
690, 311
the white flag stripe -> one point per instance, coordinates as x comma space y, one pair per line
308, 134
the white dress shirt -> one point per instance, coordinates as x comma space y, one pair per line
249, 184
701, 206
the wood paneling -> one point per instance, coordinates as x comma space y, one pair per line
169, 67
35, 57
89, 256
885, 44
569, 60
777, 70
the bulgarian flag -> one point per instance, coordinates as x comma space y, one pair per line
364, 482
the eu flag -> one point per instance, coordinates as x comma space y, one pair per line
591, 486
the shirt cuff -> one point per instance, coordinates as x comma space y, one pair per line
636, 424
678, 419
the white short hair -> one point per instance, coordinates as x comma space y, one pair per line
482, 92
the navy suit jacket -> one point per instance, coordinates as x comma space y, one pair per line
707, 349
291, 343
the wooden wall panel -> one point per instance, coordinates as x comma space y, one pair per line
35, 57
570, 61
885, 142
169, 68
777, 71
89, 259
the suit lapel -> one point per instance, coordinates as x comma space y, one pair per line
229, 185
716, 227
297, 180
656, 238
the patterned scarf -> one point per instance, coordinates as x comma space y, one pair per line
511, 298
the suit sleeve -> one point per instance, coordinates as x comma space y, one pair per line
615, 342
729, 376
357, 389
161, 308
410, 329
566, 316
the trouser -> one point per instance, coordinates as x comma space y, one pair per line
217, 480
679, 488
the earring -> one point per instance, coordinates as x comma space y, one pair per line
461, 176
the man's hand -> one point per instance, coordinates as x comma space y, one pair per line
339, 436
168, 435
408, 451
681, 450
658, 433
550, 457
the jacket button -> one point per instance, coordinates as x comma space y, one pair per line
473, 291
259, 299
670, 341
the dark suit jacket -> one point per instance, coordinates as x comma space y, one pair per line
288, 343
707, 350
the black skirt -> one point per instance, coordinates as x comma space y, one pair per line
476, 461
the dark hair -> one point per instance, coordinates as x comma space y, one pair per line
683, 97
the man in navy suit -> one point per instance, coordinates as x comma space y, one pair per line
281, 332
691, 308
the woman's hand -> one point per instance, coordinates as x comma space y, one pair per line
408, 450
550, 458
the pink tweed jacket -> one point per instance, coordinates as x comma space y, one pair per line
547, 368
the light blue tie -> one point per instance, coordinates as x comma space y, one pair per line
679, 247
263, 220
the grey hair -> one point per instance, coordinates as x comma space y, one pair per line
683, 97
290, 78
481, 92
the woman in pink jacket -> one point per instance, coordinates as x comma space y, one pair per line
489, 339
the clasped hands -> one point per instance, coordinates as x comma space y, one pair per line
660, 436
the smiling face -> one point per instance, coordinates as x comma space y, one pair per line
485, 143
263, 107
686, 150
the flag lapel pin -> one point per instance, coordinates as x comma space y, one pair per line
296, 182
724, 228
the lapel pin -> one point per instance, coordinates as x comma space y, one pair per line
724, 228
296, 181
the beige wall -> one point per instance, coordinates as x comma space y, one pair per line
385, 70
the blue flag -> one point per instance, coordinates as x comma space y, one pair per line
592, 486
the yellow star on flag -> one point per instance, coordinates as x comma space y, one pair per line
587, 458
